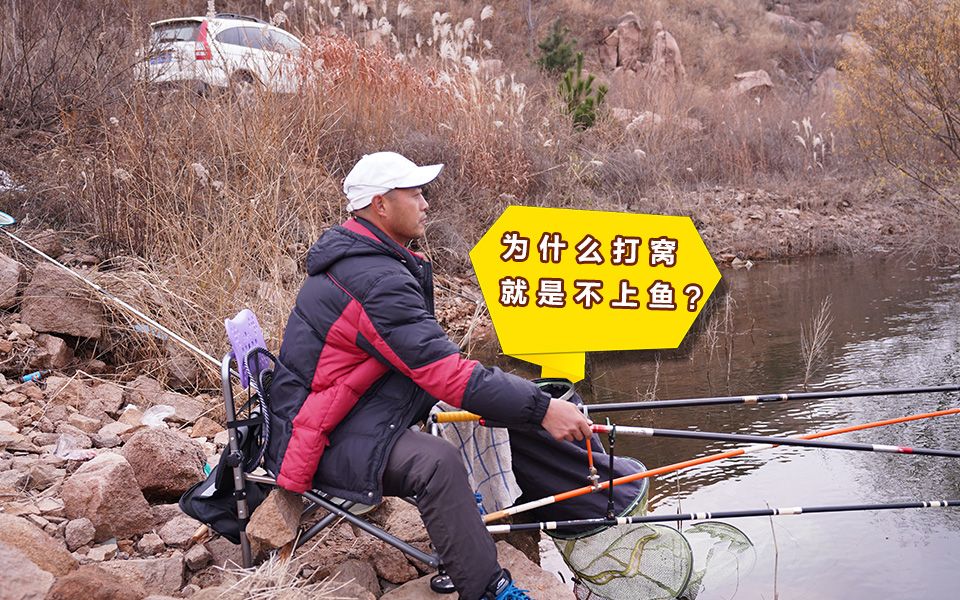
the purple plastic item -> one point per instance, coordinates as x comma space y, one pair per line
245, 334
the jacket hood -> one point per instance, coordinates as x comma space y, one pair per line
351, 239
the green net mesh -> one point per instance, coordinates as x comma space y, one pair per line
654, 562
722, 554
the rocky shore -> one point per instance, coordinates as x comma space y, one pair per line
92, 466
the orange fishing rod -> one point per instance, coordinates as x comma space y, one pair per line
582, 491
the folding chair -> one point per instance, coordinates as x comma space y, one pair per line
248, 428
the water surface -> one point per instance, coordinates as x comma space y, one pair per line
894, 324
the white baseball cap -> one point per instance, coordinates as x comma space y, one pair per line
381, 172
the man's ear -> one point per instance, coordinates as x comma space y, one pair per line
378, 203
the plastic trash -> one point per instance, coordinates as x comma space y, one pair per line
69, 449
155, 415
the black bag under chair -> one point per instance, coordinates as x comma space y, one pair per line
213, 501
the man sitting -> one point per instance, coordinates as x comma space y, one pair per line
363, 359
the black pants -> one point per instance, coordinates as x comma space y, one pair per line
431, 469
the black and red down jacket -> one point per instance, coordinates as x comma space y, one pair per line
363, 358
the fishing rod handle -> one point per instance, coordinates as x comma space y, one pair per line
455, 416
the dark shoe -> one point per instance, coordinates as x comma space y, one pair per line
502, 588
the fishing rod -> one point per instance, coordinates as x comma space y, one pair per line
728, 514
6, 220
464, 416
763, 441
513, 510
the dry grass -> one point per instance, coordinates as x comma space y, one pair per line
814, 339
220, 200
280, 578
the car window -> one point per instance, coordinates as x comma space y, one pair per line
256, 38
283, 42
231, 36
175, 32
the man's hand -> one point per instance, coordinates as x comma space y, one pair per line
564, 421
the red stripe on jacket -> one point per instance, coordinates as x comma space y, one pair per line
343, 373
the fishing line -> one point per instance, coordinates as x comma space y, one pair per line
6, 220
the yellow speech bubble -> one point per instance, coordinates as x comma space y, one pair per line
561, 282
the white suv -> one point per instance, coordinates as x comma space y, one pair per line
223, 51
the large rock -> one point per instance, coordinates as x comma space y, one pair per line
54, 302
105, 490
825, 86
275, 522
51, 352
853, 46
790, 25
11, 273
666, 64
36, 545
145, 392
526, 574
79, 532
20, 578
341, 544
110, 396
753, 83
178, 531
607, 48
165, 464
630, 41
91, 582
403, 520
159, 575
359, 572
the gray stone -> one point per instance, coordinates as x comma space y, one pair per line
51, 352
275, 522
163, 575
110, 396
92, 582
178, 532
11, 275
197, 557
150, 544
32, 541
20, 578
104, 551
78, 533
165, 463
54, 302
105, 491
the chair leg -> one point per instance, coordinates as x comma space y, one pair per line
319, 526
376, 532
